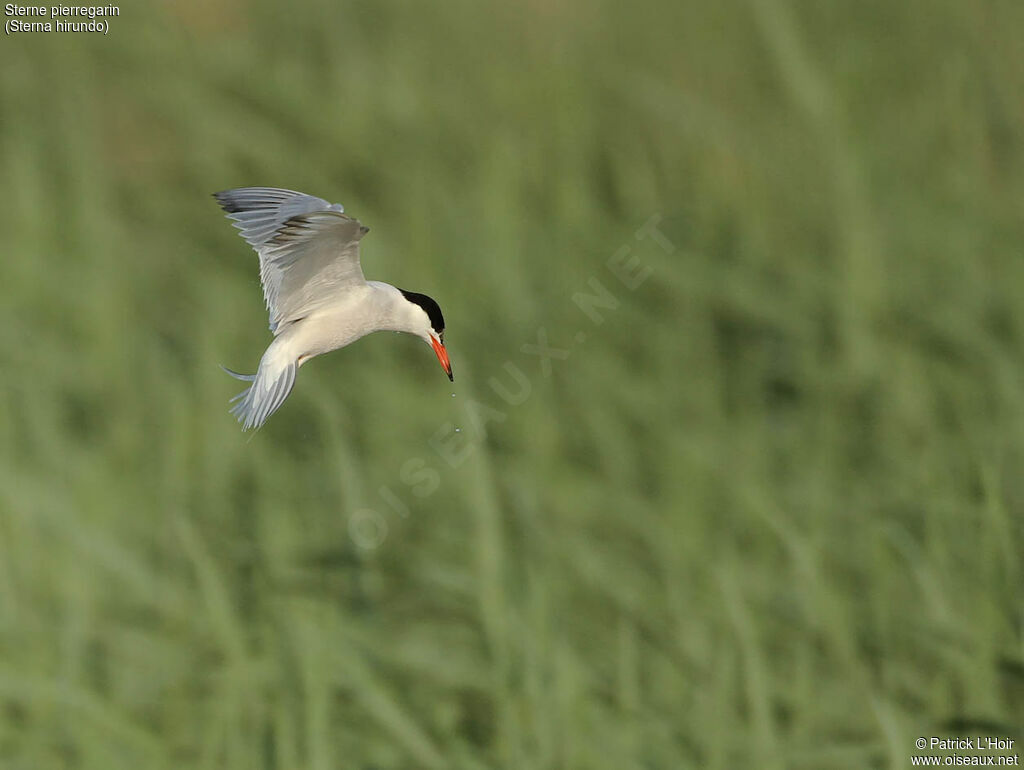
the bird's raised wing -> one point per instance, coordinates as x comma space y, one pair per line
308, 247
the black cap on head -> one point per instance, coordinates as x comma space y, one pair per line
429, 307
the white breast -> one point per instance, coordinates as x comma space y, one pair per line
354, 313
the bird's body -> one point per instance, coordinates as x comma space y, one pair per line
316, 294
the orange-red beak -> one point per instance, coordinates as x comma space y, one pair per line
442, 356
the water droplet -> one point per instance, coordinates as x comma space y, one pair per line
453, 395
458, 430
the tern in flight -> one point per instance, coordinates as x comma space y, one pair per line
317, 296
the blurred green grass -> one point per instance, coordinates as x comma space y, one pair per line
768, 514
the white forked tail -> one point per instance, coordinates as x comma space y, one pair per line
271, 385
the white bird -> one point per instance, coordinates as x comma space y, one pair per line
315, 291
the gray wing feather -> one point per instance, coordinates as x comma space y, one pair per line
308, 247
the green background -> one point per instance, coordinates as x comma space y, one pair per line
767, 514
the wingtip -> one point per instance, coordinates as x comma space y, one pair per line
226, 202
